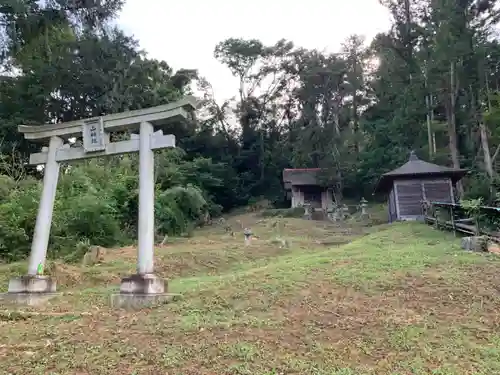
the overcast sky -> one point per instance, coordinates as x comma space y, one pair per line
184, 33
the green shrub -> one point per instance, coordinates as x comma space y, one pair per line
7, 184
89, 217
97, 204
17, 221
177, 208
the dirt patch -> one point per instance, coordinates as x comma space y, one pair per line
128, 253
66, 275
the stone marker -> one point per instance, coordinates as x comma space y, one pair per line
345, 212
95, 255
138, 289
248, 236
474, 243
330, 212
362, 205
307, 211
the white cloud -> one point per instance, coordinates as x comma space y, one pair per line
184, 33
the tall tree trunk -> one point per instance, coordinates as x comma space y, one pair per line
355, 123
483, 132
488, 164
429, 127
431, 102
262, 157
429, 116
355, 120
452, 124
336, 118
408, 39
337, 193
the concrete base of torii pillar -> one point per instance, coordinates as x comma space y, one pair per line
30, 290
139, 291
144, 288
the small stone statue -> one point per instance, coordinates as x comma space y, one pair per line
345, 212
248, 236
330, 212
307, 211
164, 241
229, 229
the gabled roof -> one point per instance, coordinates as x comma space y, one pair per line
302, 176
416, 168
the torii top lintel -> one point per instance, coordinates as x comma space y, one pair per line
178, 111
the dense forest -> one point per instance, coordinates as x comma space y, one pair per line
430, 84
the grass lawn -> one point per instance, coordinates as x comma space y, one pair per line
342, 300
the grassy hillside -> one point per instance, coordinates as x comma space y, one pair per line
400, 299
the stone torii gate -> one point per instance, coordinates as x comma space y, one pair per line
143, 286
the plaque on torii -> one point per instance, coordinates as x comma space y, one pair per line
149, 122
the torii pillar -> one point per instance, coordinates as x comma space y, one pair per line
139, 289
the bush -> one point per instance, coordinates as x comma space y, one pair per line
479, 186
89, 218
7, 184
17, 221
96, 204
177, 208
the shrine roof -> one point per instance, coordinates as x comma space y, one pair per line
300, 176
416, 168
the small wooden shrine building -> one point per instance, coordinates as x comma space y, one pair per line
415, 182
302, 186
